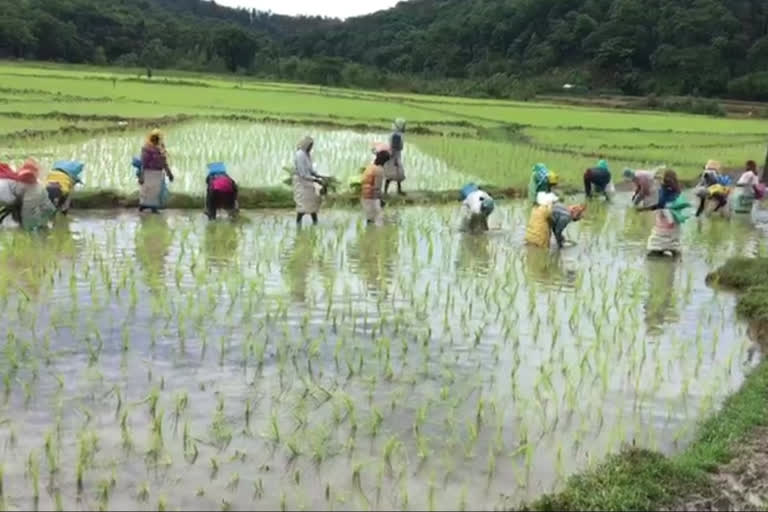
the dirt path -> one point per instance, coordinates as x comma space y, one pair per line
742, 484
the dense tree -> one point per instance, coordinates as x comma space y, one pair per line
482, 47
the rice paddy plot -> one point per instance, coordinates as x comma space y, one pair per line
166, 362
256, 155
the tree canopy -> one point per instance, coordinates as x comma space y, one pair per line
484, 47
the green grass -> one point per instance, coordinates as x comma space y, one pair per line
12, 126
508, 163
271, 198
739, 273
744, 274
494, 140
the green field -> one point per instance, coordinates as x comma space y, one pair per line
53, 112
158, 362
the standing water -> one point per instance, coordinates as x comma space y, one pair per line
162, 361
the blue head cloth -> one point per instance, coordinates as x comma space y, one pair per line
602, 164
466, 190
71, 167
136, 163
215, 168
724, 180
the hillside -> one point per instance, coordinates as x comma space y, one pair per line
479, 47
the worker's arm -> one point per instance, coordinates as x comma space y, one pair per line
588, 184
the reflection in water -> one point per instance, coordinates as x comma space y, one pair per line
444, 349
474, 255
637, 226
222, 240
27, 261
299, 261
373, 255
718, 235
661, 303
547, 267
153, 241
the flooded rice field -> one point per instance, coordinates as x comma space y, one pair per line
256, 155
162, 362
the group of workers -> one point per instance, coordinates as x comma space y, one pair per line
32, 203
655, 190
385, 169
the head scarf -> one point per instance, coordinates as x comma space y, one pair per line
29, 171
7, 173
540, 173
399, 125
602, 164
380, 146
629, 174
155, 133
305, 144
72, 168
217, 168
553, 178
577, 211
713, 165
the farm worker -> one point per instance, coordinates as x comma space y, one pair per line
60, 182
665, 236
542, 180
562, 216
748, 188
645, 186
36, 208
370, 186
221, 191
600, 178
711, 174
394, 170
717, 193
13, 185
550, 217
306, 182
477, 207
153, 192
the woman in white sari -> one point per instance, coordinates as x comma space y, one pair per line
747, 190
306, 182
666, 233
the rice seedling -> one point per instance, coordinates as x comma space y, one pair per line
398, 373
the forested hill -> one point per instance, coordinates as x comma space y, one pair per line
485, 47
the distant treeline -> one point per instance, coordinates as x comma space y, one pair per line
495, 48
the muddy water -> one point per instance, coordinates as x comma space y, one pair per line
258, 366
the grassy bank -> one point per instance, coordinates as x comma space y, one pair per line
643, 480
273, 197
743, 275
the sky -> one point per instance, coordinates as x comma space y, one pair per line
332, 8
